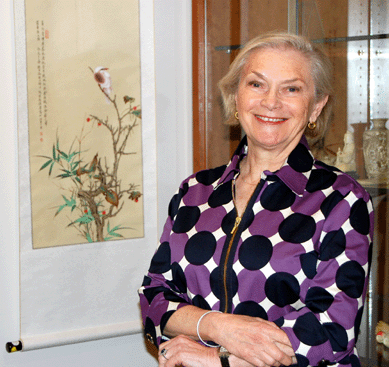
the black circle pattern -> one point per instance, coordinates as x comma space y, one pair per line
222, 195
176, 200
359, 217
300, 160
309, 330
320, 179
308, 264
318, 299
330, 202
160, 263
277, 196
179, 278
255, 252
199, 301
228, 222
282, 289
200, 248
350, 278
187, 217
251, 308
334, 243
337, 336
297, 228
208, 177
302, 361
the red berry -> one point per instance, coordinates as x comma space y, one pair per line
86, 211
88, 119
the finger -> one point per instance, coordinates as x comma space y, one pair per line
287, 349
163, 356
163, 353
274, 356
266, 360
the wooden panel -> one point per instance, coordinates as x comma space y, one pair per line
223, 22
333, 15
198, 41
265, 16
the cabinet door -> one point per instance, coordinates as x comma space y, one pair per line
219, 28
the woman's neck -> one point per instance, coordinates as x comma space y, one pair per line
252, 166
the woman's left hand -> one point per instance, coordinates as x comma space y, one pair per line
183, 351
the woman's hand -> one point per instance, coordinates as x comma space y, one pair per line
259, 342
184, 351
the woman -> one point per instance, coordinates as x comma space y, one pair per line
275, 243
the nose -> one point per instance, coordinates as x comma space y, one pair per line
271, 100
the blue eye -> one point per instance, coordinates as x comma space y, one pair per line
255, 84
293, 89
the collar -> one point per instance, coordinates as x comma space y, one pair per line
294, 173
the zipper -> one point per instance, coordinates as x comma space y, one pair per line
236, 225
233, 233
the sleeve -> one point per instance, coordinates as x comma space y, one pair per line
326, 327
163, 290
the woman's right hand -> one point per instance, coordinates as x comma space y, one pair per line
184, 351
259, 342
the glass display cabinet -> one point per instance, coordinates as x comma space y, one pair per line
355, 35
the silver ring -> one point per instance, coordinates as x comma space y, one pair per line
163, 353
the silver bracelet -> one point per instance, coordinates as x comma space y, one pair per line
198, 326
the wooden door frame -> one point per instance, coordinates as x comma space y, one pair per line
199, 85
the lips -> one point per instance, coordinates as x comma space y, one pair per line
270, 120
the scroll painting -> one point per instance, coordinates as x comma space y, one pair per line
84, 121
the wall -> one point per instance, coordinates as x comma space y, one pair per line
172, 22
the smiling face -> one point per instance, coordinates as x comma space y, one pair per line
275, 99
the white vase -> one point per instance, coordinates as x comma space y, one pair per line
375, 149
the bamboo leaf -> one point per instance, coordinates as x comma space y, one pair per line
63, 154
54, 155
46, 164
115, 228
59, 209
51, 168
116, 234
85, 219
74, 165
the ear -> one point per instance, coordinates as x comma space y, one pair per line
318, 107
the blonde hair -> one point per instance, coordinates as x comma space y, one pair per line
320, 67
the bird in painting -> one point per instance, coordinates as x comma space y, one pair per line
103, 78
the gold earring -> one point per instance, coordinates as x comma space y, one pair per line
312, 125
236, 115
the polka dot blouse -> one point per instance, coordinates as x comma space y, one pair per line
299, 255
